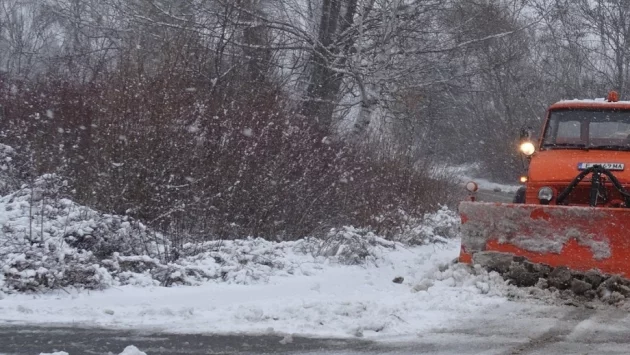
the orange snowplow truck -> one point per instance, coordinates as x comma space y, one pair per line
574, 209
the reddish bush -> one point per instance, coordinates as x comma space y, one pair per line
205, 158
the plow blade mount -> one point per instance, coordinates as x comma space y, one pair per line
580, 238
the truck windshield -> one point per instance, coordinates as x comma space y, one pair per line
588, 129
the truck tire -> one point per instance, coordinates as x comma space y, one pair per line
520, 195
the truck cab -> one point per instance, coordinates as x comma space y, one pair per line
582, 157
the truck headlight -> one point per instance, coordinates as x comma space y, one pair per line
527, 148
545, 194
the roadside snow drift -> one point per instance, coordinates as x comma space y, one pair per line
318, 298
50, 242
63, 263
66, 264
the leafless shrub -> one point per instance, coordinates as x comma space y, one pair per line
195, 159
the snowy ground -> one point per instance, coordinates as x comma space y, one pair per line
325, 299
339, 287
452, 311
439, 307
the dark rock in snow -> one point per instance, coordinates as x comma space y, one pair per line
574, 286
614, 298
518, 259
590, 294
493, 261
578, 275
542, 283
579, 287
560, 278
624, 290
615, 284
603, 292
398, 280
612, 284
611, 290
543, 269
594, 278
521, 276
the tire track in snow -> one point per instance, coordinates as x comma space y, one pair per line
556, 334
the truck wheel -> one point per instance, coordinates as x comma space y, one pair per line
520, 195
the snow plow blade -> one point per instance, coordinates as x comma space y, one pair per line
580, 238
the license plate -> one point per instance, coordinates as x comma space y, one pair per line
609, 166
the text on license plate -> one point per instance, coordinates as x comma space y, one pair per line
609, 166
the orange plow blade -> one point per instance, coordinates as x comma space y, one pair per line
580, 238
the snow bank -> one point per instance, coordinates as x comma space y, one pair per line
437, 227
50, 242
132, 350
317, 298
350, 284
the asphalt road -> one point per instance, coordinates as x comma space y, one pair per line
554, 330
35, 339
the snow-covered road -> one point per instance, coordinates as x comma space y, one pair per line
537, 330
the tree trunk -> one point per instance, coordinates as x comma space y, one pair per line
328, 55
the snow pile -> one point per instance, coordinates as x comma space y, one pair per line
310, 295
254, 260
315, 297
245, 261
132, 350
49, 242
349, 245
436, 227
475, 279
